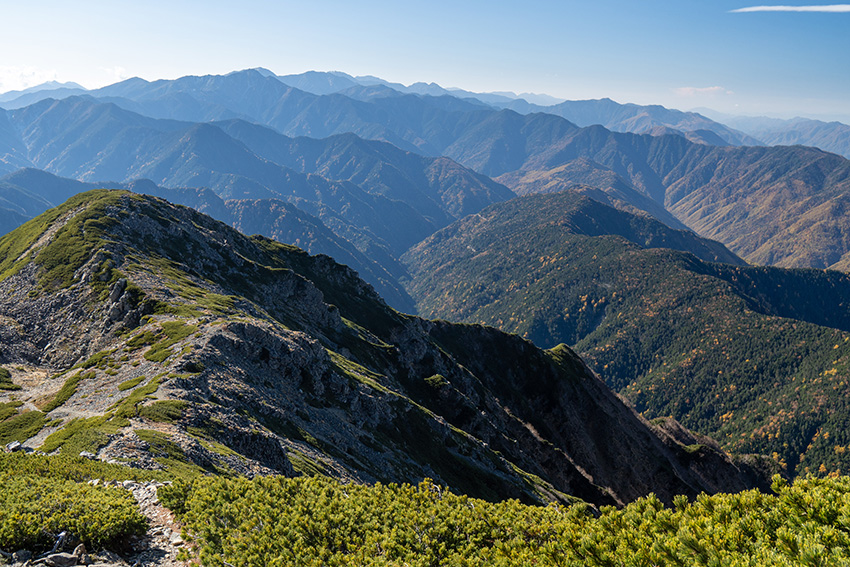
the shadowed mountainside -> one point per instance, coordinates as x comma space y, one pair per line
756, 357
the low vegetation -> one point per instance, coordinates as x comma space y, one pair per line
37, 510
41, 497
163, 411
68, 389
314, 520
17, 425
131, 383
6, 380
172, 333
168, 454
83, 435
318, 521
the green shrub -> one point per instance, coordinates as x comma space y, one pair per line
436, 381
6, 380
19, 426
127, 408
142, 339
99, 360
8, 409
174, 331
41, 496
158, 352
131, 383
194, 367
319, 521
35, 510
177, 330
175, 495
70, 467
164, 411
169, 454
68, 389
161, 444
83, 435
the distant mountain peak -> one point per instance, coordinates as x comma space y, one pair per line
49, 85
263, 71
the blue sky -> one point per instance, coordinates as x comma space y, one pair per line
682, 54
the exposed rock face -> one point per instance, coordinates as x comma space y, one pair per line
182, 340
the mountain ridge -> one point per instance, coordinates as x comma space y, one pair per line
343, 388
832, 136
46, 190
753, 356
636, 119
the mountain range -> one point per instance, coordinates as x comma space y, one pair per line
829, 136
718, 191
639, 119
702, 125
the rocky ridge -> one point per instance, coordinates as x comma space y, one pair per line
154, 334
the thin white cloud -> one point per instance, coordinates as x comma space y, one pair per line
701, 91
19, 78
832, 8
114, 74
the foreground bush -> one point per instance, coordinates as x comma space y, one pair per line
34, 511
41, 496
69, 467
316, 521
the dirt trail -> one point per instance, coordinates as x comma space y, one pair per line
162, 542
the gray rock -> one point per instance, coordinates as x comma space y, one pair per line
61, 560
117, 289
13, 446
109, 557
82, 555
21, 556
